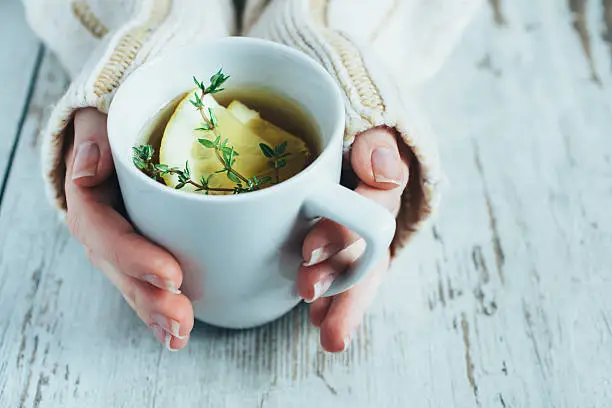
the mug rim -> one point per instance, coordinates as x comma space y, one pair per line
304, 59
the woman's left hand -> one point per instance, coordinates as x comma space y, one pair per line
330, 248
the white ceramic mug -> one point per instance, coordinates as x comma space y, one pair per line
240, 254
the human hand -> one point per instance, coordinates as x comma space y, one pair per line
147, 276
330, 248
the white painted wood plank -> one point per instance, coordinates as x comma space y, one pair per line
503, 304
19, 49
527, 144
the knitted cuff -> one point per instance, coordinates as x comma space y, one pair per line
157, 25
371, 98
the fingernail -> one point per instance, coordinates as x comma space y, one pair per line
321, 254
320, 288
170, 325
162, 283
347, 343
162, 336
385, 164
86, 160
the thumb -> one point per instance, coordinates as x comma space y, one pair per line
376, 159
93, 162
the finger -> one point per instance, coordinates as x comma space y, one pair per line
170, 342
314, 281
376, 159
169, 316
327, 238
111, 238
318, 310
92, 162
347, 309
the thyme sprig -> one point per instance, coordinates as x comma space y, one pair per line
277, 157
224, 152
143, 159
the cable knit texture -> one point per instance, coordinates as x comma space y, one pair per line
154, 26
376, 51
371, 98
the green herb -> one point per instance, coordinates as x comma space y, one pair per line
276, 156
143, 159
224, 152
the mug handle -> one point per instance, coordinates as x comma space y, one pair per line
375, 224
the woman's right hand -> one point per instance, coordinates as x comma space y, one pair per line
147, 276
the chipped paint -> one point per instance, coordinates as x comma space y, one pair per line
43, 380
486, 64
469, 364
581, 26
480, 264
606, 322
498, 14
495, 237
607, 17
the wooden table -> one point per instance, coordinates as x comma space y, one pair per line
504, 301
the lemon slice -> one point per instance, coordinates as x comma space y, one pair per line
271, 133
243, 128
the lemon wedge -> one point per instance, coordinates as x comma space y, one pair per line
244, 129
272, 134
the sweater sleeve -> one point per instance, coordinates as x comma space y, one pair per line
100, 42
377, 51
73, 29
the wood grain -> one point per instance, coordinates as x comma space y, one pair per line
20, 52
527, 147
503, 302
498, 14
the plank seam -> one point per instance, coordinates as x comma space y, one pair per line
22, 119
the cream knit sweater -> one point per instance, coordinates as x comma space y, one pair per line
377, 50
